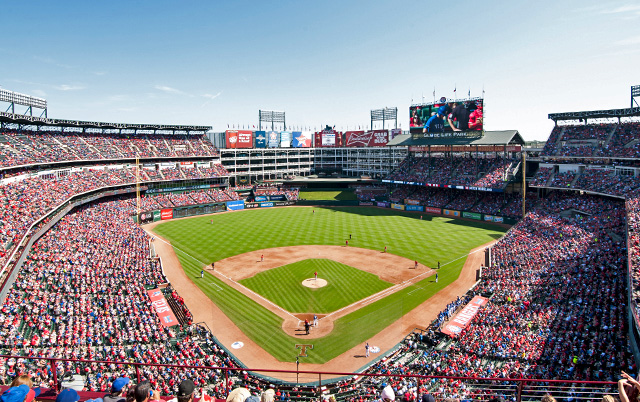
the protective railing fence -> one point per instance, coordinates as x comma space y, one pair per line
305, 385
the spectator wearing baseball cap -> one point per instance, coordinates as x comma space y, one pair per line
25, 379
15, 394
68, 395
185, 391
117, 390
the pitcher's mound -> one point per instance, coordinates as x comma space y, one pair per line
314, 283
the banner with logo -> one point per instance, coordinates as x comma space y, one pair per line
260, 198
166, 214
235, 205
371, 138
285, 139
451, 212
365, 203
249, 205
145, 217
394, 133
498, 219
273, 137
472, 215
162, 309
397, 206
464, 317
411, 202
301, 139
488, 218
156, 216
266, 204
383, 204
433, 210
415, 208
261, 139
232, 138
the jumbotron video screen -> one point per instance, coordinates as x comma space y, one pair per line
446, 115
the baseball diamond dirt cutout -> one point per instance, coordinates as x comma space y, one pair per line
392, 268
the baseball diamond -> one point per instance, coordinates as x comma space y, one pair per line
265, 299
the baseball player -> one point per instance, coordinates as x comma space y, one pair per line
366, 349
315, 275
262, 258
436, 277
201, 274
315, 320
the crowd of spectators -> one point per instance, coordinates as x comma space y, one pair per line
489, 172
595, 140
28, 147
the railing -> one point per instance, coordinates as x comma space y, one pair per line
311, 385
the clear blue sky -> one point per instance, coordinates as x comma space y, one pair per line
327, 62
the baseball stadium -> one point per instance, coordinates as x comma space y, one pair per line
272, 261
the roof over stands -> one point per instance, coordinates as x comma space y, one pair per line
13, 118
596, 114
504, 137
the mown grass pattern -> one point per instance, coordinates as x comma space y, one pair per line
426, 240
345, 285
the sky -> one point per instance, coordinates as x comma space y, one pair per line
217, 63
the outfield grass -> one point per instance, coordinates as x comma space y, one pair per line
427, 240
346, 285
328, 195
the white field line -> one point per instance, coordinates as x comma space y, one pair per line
231, 280
392, 289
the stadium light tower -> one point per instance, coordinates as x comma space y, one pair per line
15, 98
384, 115
635, 94
272, 117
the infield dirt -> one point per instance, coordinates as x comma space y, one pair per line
389, 267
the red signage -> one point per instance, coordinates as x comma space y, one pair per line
465, 148
372, 138
245, 139
463, 318
162, 309
432, 210
166, 214
232, 139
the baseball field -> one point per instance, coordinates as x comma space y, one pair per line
260, 296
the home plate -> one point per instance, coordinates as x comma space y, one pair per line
314, 283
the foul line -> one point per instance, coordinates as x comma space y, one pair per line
230, 280
392, 289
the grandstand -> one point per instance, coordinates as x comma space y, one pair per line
557, 285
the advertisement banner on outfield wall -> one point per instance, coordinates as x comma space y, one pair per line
451, 212
235, 205
415, 208
145, 217
472, 215
260, 198
411, 202
266, 204
156, 216
464, 317
433, 210
498, 219
285, 139
365, 203
162, 309
488, 218
166, 214
273, 138
261, 139
383, 204
397, 206
249, 205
